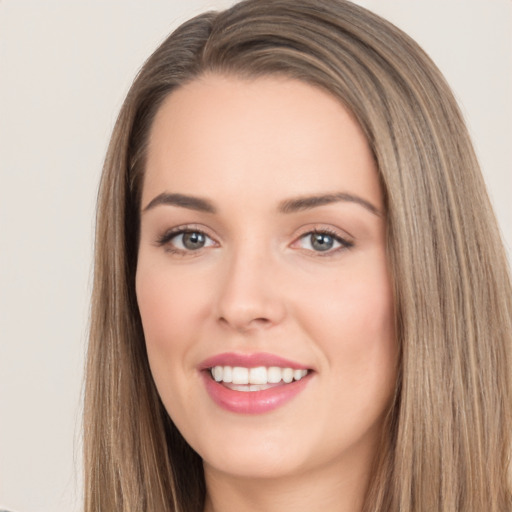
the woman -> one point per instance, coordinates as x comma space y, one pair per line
300, 297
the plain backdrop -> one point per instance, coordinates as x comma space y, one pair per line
65, 67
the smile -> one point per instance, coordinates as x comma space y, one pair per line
253, 383
255, 379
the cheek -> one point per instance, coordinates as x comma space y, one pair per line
169, 305
362, 354
158, 308
354, 325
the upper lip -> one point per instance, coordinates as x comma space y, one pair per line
250, 361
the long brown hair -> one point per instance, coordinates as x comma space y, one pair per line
446, 445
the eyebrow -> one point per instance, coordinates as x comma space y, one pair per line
308, 202
287, 206
183, 201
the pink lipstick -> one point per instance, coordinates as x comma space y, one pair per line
253, 383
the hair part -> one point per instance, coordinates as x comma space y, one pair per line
446, 445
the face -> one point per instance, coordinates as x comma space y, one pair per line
262, 278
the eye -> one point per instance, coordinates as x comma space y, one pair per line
186, 240
323, 241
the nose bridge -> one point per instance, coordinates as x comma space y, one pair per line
249, 297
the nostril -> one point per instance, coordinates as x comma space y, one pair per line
241, 325
261, 321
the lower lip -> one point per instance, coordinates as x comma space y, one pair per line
253, 402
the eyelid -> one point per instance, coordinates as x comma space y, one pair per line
169, 234
345, 240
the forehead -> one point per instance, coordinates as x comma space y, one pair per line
272, 136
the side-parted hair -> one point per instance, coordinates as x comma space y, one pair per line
447, 442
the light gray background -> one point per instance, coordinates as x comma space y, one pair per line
65, 67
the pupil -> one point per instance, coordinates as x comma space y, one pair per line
322, 242
193, 240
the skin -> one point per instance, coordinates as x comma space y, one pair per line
259, 285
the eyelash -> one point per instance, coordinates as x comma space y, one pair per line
344, 243
168, 236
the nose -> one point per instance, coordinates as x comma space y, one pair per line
250, 298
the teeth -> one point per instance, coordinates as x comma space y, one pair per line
258, 375
297, 374
227, 375
217, 373
274, 375
287, 375
239, 376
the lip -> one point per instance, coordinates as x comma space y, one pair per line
252, 402
250, 361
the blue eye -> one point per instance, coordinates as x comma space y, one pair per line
322, 241
186, 240
193, 240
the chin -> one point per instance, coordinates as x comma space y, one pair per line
256, 464
251, 452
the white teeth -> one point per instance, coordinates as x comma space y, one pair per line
274, 375
297, 374
258, 375
217, 373
228, 374
287, 375
240, 377
250, 387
